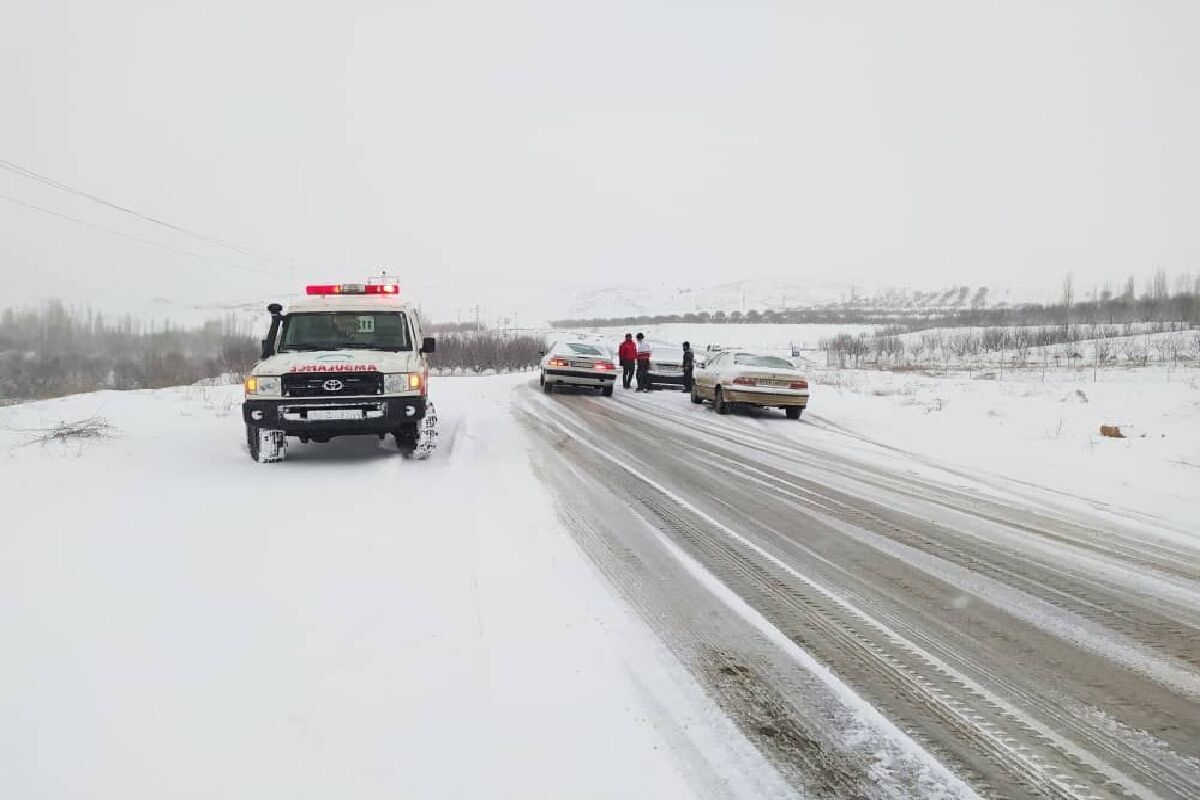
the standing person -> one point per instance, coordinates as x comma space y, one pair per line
627, 355
643, 364
689, 364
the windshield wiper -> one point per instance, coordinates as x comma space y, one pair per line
301, 347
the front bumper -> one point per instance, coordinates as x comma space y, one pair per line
290, 414
765, 398
666, 378
580, 377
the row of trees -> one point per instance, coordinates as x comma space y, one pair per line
1099, 345
480, 351
1161, 300
54, 350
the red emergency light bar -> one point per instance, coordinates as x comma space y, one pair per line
353, 288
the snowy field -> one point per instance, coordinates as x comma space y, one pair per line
1043, 433
181, 622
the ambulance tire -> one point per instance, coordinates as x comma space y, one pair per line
418, 440
266, 446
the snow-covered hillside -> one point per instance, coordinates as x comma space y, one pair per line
512, 303
509, 304
781, 337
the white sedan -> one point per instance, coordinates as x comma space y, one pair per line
571, 363
735, 377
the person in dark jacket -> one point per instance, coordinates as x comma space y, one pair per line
627, 355
689, 364
643, 364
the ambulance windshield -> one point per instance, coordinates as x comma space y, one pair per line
344, 330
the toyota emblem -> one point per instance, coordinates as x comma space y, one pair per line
332, 386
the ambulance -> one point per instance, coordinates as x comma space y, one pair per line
349, 359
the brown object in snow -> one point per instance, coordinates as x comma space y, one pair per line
1111, 430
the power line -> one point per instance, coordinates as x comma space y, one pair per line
124, 235
43, 179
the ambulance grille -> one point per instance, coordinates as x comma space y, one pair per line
333, 384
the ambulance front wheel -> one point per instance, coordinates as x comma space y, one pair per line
265, 445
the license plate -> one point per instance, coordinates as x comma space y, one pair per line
774, 383
334, 413
583, 364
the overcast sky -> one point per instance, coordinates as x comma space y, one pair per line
917, 143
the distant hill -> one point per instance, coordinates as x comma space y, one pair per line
500, 303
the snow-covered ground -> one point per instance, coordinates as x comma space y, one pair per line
181, 622
1042, 433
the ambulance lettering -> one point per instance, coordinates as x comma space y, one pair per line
334, 368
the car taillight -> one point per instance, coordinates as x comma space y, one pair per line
557, 362
745, 381
604, 365
799, 384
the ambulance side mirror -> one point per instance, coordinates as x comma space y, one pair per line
429, 345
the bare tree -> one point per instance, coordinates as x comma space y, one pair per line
1067, 300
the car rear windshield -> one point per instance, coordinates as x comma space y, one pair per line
341, 330
584, 349
770, 362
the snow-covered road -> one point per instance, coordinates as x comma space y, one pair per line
576, 597
1034, 649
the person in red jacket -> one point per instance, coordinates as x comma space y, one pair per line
627, 355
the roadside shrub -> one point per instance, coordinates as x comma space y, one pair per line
477, 352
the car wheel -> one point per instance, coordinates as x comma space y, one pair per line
793, 412
719, 401
696, 398
607, 391
547, 386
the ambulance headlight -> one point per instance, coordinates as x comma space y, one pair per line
396, 382
263, 386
